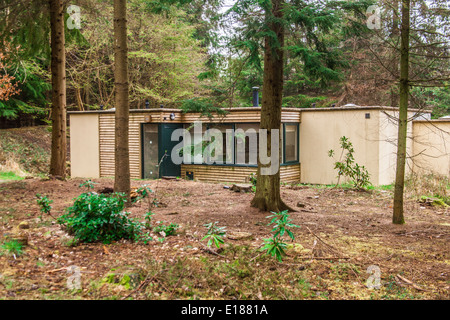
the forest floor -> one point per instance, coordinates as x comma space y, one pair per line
342, 233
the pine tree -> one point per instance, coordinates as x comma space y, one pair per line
122, 158
267, 195
58, 70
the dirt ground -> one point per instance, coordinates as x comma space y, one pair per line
342, 233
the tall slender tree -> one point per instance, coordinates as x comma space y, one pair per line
267, 195
403, 115
58, 71
122, 157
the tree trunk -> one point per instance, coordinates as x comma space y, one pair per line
267, 195
79, 100
122, 162
394, 64
58, 71
403, 115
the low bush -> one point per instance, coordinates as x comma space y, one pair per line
168, 230
12, 247
347, 167
98, 217
282, 225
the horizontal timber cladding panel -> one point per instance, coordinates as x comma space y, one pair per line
236, 117
288, 174
107, 137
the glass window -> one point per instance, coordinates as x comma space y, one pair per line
246, 143
291, 142
193, 146
222, 149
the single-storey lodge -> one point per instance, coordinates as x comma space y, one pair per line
306, 137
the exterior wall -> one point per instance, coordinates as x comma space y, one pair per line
84, 146
288, 173
374, 141
320, 132
431, 151
106, 131
107, 138
388, 146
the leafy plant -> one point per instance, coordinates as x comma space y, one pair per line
253, 178
169, 230
98, 217
148, 219
44, 203
89, 184
214, 234
12, 247
347, 167
144, 192
276, 246
282, 223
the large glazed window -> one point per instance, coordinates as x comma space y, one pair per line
291, 143
221, 151
246, 143
195, 144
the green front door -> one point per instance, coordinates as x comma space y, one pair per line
167, 167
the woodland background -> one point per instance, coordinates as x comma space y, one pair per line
194, 56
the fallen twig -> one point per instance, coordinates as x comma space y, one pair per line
176, 285
65, 268
309, 211
56, 270
409, 282
323, 258
209, 250
320, 239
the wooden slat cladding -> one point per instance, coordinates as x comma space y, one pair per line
240, 117
106, 127
288, 174
235, 115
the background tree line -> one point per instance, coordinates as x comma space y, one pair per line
181, 52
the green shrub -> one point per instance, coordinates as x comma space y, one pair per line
253, 178
12, 247
98, 217
214, 234
276, 246
44, 203
148, 219
88, 184
169, 230
347, 167
144, 192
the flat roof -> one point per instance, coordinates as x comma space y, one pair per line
433, 120
342, 108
